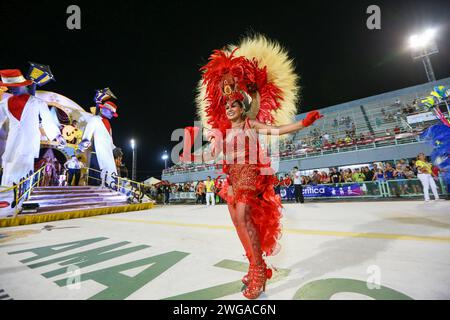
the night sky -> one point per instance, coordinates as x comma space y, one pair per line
149, 53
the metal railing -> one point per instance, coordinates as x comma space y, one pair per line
404, 188
399, 188
346, 147
313, 152
23, 189
135, 191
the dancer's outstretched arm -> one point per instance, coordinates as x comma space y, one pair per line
311, 117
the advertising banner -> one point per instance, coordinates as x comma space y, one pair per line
319, 191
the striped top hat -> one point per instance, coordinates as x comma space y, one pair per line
111, 106
13, 78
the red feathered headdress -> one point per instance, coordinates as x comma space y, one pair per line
256, 65
228, 77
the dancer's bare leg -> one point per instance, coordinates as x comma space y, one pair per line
240, 215
232, 206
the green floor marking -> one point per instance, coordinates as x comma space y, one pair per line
324, 289
120, 286
87, 258
42, 252
229, 288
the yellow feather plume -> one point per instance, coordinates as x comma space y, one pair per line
280, 71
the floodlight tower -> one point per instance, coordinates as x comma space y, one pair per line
422, 47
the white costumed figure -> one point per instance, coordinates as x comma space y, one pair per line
99, 128
24, 136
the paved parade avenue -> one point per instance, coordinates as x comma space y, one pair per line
355, 250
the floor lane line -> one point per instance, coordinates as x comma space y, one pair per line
367, 235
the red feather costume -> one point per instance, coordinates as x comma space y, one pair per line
226, 78
258, 70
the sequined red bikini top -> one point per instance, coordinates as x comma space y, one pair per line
241, 145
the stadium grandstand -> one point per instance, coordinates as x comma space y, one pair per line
384, 127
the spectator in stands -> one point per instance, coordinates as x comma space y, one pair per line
358, 176
333, 139
415, 105
410, 109
379, 176
414, 167
287, 181
396, 130
401, 184
389, 172
335, 176
324, 178
375, 167
353, 130
347, 176
348, 121
362, 137
403, 164
305, 180
315, 179
426, 177
368, 174
347, 139
410, 176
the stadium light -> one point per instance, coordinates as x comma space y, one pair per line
165, 157
133, 170
422, 46
422, 40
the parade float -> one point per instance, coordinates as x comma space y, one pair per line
438, 135
38, 190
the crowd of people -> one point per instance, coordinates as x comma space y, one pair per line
315, 142
407, 177
347, 135
397, 111
206, 191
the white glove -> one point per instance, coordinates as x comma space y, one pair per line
61, 141
84, 145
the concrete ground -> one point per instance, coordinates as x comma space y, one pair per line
363, 250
